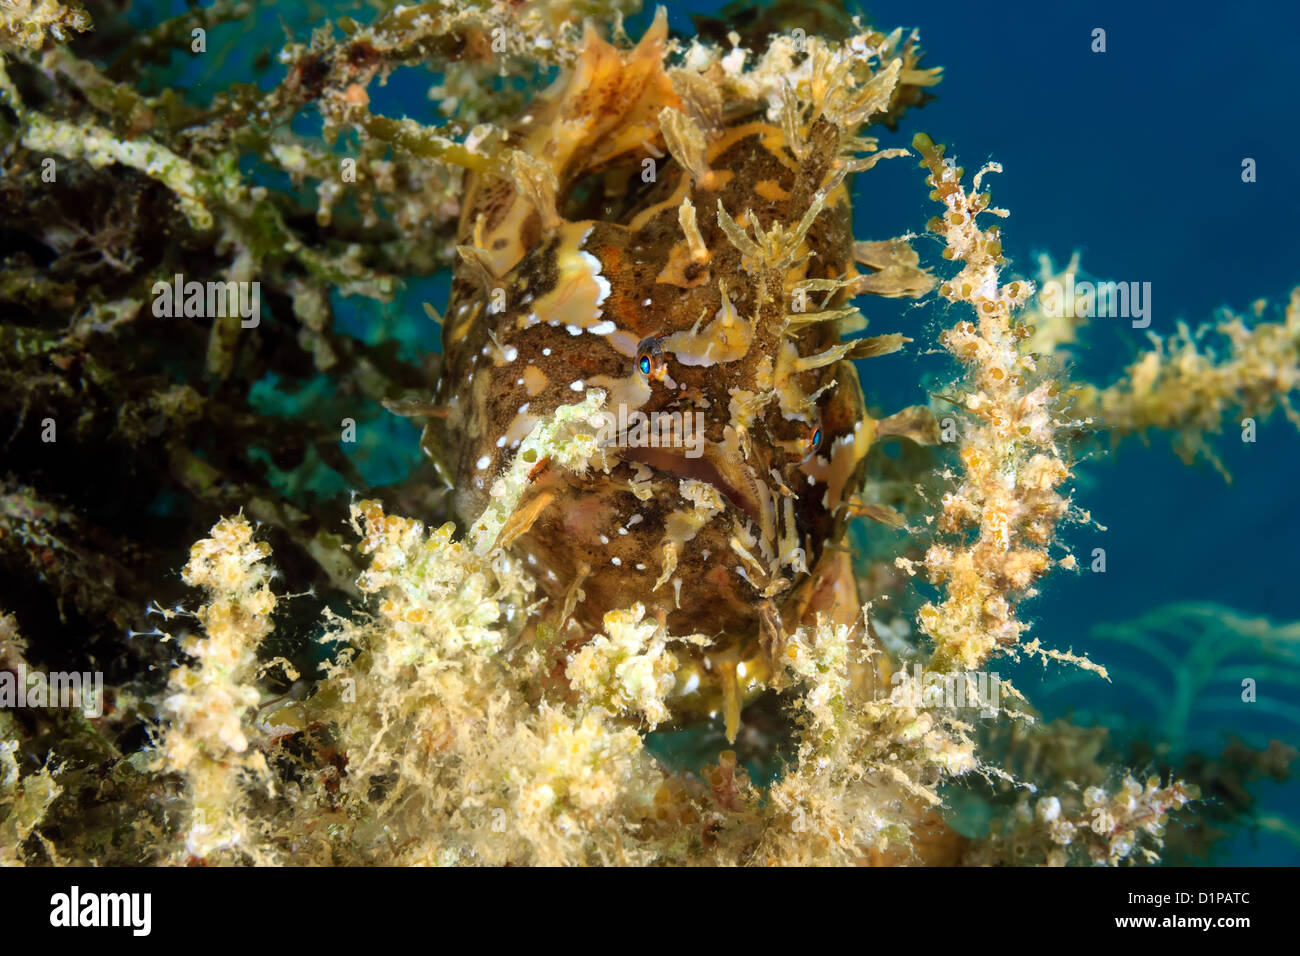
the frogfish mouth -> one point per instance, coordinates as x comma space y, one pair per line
690, 255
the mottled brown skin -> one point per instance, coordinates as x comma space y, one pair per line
527, 357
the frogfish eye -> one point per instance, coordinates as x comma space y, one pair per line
814, 442
650, 359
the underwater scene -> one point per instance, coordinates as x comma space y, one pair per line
580, 432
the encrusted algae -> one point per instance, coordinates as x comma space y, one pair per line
628, 668
210, 740
1192, 384
867, 768
1192, 390
1095, 826
30, 23
24, 799
450, 758
1013, 468
99, 147
451, 727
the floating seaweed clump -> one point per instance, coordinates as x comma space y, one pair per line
477, 661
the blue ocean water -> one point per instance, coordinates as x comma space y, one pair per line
1132, 157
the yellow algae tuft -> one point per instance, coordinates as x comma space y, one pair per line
1009, 492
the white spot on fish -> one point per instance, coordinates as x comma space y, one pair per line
578, 386
483, 463
601, 282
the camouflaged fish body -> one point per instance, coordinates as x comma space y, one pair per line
671, 296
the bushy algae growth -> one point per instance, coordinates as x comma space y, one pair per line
1187, 387
462, 703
